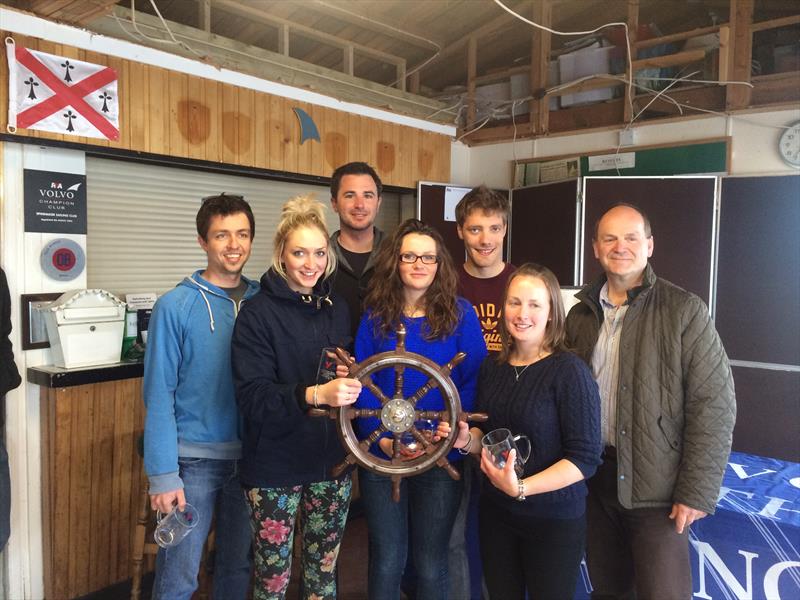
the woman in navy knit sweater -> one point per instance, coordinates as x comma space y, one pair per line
414, 284
532, 529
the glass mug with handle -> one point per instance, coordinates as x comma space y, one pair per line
426, 427
175, 525
499, 442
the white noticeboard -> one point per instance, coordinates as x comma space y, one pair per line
568, 297
452, 196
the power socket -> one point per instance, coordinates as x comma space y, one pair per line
627, 137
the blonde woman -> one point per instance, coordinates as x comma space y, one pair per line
288, 454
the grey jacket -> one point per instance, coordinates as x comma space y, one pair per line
675, 400
352, 288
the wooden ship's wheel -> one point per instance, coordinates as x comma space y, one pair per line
397, 415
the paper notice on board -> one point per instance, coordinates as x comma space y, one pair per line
452, 196
604, 162
558, 170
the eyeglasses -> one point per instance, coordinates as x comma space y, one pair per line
411, 258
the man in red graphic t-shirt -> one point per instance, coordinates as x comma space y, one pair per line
482, 220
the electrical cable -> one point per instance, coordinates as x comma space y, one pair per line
629, 96
250, 56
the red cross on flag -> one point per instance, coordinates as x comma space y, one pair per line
62, 95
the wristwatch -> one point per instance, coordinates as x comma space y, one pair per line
521, 490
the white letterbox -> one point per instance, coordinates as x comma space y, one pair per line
85, 328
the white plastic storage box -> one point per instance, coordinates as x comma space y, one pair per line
85, 328
521, 88
589, 61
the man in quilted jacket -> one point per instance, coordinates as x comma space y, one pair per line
667, 415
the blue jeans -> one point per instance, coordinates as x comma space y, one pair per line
212, 487
432, 499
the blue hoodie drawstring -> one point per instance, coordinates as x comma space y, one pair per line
208, 306
203, 291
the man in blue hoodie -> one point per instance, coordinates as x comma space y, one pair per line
191, 432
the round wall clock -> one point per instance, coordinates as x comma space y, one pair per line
789, 145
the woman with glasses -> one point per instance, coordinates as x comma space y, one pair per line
278, 342
414, 285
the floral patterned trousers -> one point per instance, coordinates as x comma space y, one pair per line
323, 514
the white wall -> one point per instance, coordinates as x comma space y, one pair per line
754, 146
20, 254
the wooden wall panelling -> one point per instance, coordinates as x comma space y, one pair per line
137, 480
291, 137
80, 491
177, 84
413, 159
134, 114
385, 148
245, 121
356, 148
91, 472
366, 149
194, 114
407, 173
230, 106
276, 140
125, 398
318, 166
343, 133
157, 110
101, 571
261, 131
212, 98
335, 139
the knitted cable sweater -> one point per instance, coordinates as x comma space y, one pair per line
556, 404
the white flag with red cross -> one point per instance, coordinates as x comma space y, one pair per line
62, 95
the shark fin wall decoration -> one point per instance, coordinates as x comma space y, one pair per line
308, 129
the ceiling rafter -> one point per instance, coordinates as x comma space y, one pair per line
251, 12
369, 24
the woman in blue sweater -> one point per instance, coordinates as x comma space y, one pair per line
414, 284
532, 528
287, 455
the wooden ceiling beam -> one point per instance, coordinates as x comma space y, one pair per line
251, 12
78, 12
539, 110
46, 8
369, 24
492, 27
741, 38
204, 15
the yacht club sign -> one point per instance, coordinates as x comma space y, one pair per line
54, 202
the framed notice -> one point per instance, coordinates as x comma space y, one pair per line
54, 202
34, 331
